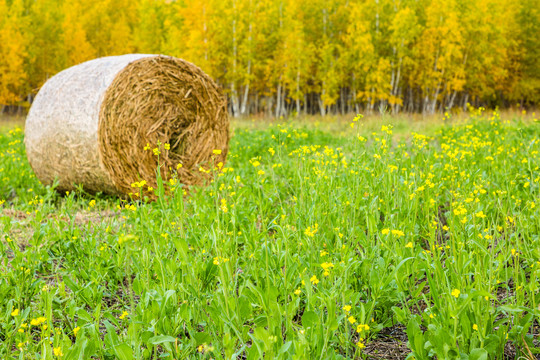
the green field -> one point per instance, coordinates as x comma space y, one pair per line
356, 239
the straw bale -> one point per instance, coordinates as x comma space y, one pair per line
89, 124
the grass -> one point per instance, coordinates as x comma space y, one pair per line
317, 239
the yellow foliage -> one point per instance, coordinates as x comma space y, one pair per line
280, 55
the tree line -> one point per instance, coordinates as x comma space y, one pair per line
286, 57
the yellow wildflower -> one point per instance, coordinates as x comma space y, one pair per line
398, 233
362, 327
36, 322
124, 314
311, 231
58, 351
480, 214
327, 265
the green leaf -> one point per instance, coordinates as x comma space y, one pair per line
399, 313
285, 348
85, 316
160, 339
71, 284
123, 351
492, 343
478, 354
244, 307
332, 324
511, 308
201, 338
309, 318
111, 338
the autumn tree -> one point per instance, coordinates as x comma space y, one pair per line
13, 53
77, 47
46, 51
149, 30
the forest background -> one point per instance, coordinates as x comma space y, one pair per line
290, 57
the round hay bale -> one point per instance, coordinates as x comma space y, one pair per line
97, 123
